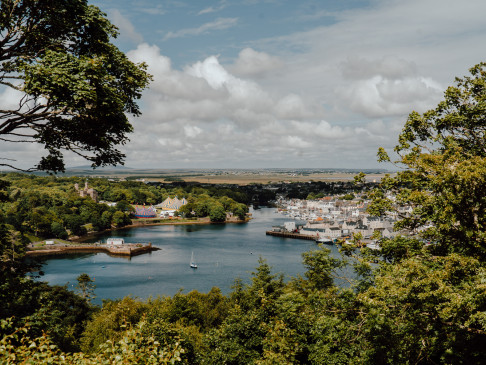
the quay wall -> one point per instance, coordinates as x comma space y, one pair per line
125, 250
291, 235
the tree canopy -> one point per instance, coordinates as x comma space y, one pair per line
443, 153
73, 87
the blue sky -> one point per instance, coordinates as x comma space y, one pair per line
269, 83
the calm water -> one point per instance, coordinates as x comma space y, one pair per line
222, 252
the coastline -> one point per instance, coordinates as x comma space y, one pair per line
155, 222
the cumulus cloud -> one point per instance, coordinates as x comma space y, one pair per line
218, 24
205, 114
327, 96
379, 96
254, 63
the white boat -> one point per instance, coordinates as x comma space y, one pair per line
373, 245
193, 263
324, 240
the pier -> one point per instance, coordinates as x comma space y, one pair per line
291, 235
125, 250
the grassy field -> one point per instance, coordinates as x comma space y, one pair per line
231, 176
263, 178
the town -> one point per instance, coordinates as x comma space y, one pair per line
334, 218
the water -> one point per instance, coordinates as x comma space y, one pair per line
222, 252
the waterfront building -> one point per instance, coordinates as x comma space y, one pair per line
115, 241
336, 218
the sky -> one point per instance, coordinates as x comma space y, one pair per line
276, 83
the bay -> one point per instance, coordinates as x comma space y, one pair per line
223, 252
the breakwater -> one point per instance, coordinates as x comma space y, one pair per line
291, 235
125, 250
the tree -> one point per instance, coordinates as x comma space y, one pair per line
444, 154
86, 287
74, 87
133, 348
105, 220
75, 224
58, 230
217, 213
120, 219
241, 211
320, 267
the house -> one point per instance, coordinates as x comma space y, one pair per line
289, 226
115, 241
333, 232
312, 232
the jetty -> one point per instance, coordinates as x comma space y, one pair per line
291, 235
125, 250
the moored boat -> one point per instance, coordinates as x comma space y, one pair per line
193, 262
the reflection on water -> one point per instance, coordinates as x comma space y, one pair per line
223, 252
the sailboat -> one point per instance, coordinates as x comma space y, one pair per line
193, 263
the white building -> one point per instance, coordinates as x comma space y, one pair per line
289, 226
115, 241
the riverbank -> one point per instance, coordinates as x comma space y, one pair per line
64, 247
158, 222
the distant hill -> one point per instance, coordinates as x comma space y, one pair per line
105, 168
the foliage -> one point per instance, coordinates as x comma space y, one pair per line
86, 287
217, 213
52, 309
319, 267
443, 151
133, 348
74, 86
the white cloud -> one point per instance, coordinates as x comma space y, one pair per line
253, 63
192, 131
125, 27
218, 24
381, 97
226, 118
213, 9
359, 68
327, 96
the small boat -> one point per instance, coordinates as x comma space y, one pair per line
193, 263
373, 245
324, 240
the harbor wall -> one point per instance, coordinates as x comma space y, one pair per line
122, 250
291, 235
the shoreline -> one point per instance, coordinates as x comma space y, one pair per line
67, 247
143, 223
